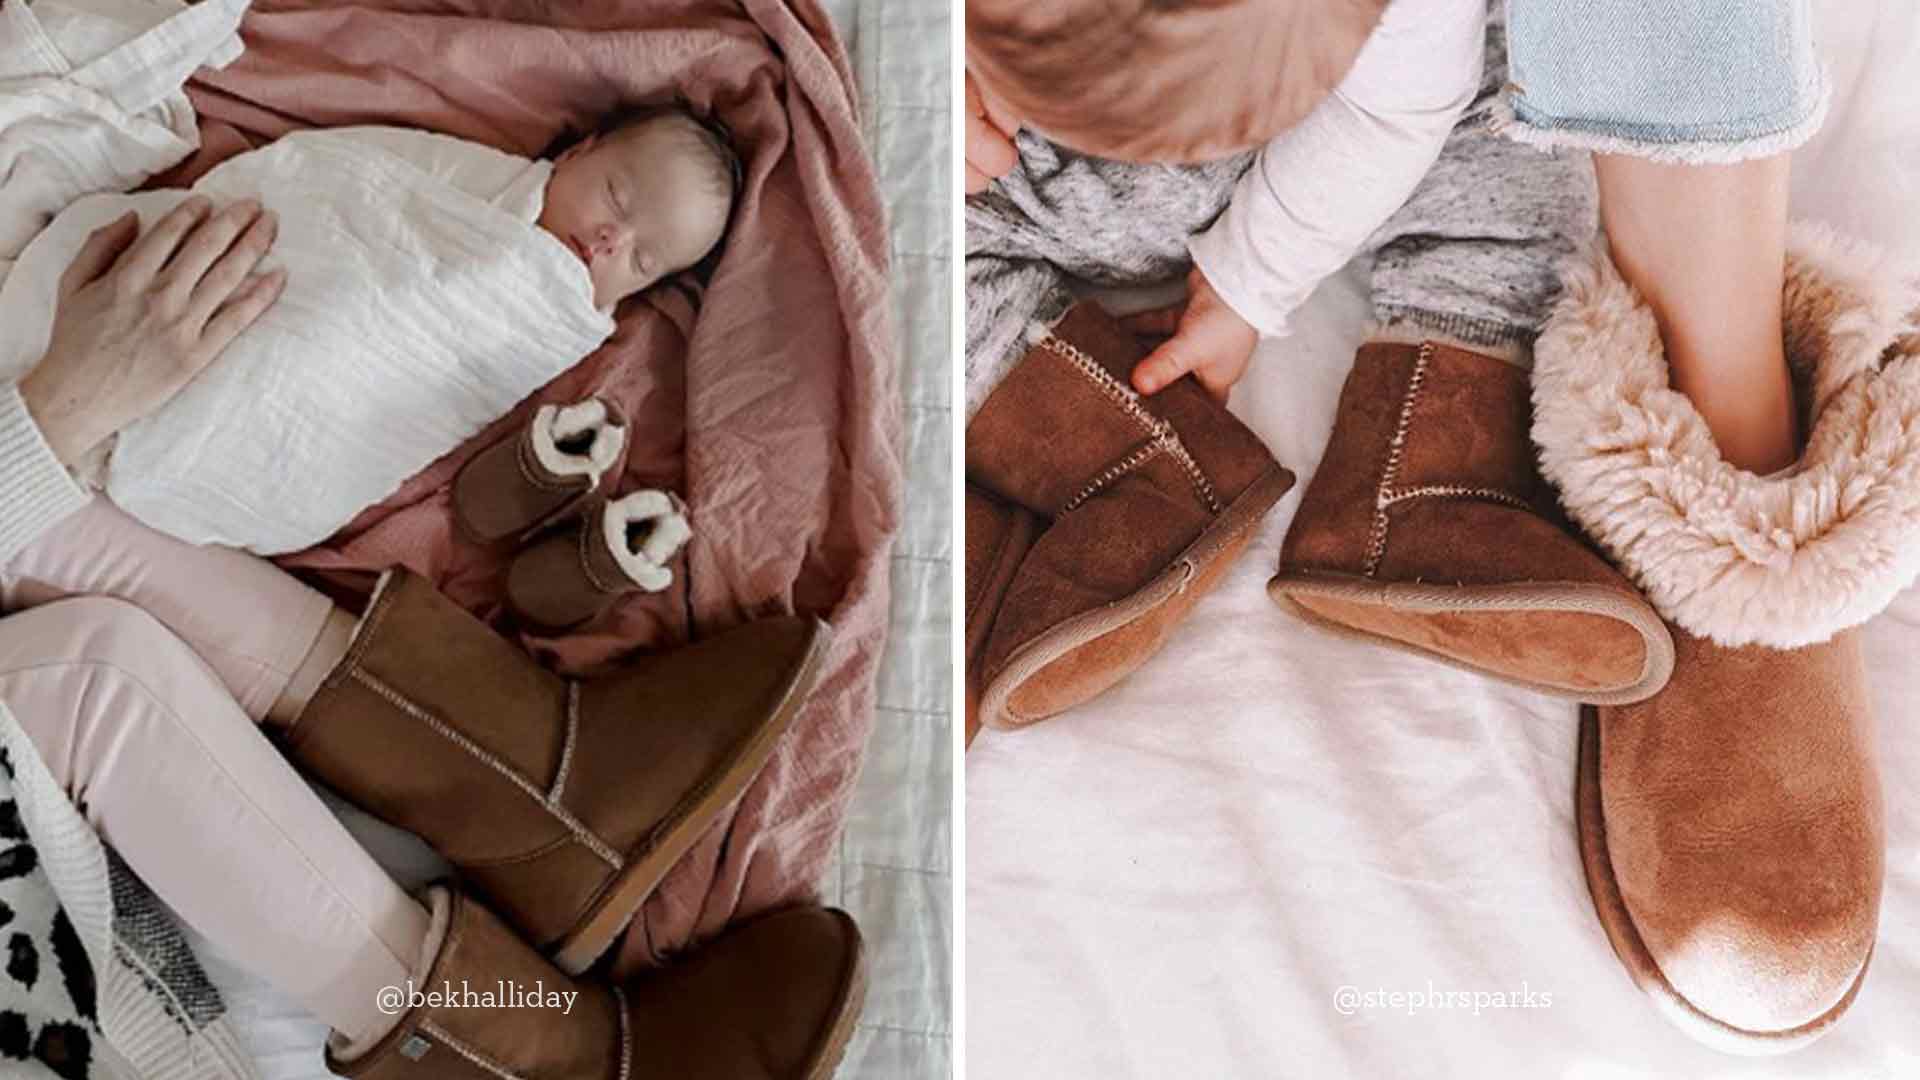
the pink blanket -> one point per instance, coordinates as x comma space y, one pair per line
772, 411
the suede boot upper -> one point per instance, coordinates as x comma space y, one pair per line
563, 801
1144, 502
1427, 524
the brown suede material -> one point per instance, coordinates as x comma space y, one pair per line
505, 491
413, 637
771, 999
999, 533
1046, 431
757, 1003
481, 952
567, 579
1572, 650
1329, 532
580, 878
1099, 664
1467, 542
1742, 815
654, 731
1495, 450
1101, 552
1122, 483
1229, 455
1430, 478
391, 725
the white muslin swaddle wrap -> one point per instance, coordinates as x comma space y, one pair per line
422, 302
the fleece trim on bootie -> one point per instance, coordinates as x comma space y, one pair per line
1783, 561
642, 553
555, 426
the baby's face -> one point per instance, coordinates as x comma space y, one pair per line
635, 206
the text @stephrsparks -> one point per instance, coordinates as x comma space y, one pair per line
1350, 999
502, 994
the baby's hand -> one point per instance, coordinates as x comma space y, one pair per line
1208, 339
990, 130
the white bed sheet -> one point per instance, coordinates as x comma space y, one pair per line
1177, 880
894, 869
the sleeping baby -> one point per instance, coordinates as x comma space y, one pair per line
433, 284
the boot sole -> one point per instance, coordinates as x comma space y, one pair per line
1617, 921
833, 1048
610, 915
1656, 669
1191, 575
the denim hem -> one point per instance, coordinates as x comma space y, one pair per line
1696, 145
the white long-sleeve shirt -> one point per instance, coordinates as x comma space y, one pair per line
1316, 194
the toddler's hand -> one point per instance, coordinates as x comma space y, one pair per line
1208, 339
990, 130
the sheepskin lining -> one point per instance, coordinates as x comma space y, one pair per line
1783, 561
555, 426
664, 530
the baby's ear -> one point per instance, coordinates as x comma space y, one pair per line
579, 147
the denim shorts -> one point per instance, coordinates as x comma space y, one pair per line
1700, 81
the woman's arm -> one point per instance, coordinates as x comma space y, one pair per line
138, 317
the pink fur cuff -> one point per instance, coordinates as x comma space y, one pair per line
1783, 561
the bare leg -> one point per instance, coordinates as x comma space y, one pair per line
1705, 246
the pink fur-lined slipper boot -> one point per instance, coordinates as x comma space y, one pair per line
542, 474
625, 545
1730, 826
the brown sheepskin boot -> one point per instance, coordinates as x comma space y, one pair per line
1730, 826
1427, 527
542, 473
999, 534
1137, 506
771, 999
619, 547
563, 801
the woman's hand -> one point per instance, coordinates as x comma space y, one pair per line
1204, 337
140, 316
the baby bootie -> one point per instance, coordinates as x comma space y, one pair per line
542, 474
1140, 504
999, 535
1731, 825
622, 546
1427, 528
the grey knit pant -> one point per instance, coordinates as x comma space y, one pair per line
1473, 256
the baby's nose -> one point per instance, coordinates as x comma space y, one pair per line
611, 237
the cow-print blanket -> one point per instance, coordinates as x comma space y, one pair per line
47, 1001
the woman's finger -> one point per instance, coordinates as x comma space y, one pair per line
206, 244
247, 304
103, 247
150, 253
232, 269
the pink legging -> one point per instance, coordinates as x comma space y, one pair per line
143, 696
